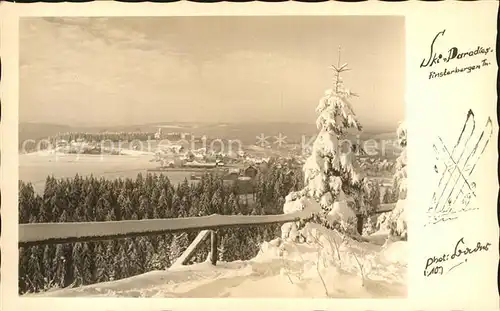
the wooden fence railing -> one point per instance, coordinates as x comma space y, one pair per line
37, 234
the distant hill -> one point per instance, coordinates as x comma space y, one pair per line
245, 132
248, 132
37, 131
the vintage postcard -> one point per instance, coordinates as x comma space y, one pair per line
265, 156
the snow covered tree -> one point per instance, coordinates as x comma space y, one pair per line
369, 226
88, 258
179, 244
370, 195
157, 258
155, 195
331, 178
59, 264
226, 249
35, 271
216, 202
395, 221
145, 208
27, 203
48, 267
101, 273
401, 174
162, 210
221, 251
112, 264
78, 272
231, 205
122, 262
102, 208
388, 196
397, 218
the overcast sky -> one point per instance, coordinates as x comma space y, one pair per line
114, 71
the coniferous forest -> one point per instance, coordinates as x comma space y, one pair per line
88, 199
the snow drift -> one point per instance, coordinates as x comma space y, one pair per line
327, 265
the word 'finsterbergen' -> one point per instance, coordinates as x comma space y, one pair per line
466, 69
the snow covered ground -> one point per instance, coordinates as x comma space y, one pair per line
280, 270
136, 152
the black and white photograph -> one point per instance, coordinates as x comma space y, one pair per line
212, 157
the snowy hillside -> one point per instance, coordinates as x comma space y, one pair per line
296, 270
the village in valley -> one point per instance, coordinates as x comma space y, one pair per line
191, 157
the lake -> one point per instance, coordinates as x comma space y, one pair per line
35, 168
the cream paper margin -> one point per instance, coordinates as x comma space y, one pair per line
433, 107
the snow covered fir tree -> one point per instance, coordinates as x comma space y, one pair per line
395, 222
332, 181
334, 196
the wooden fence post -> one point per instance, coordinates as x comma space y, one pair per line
192, 248
213, 247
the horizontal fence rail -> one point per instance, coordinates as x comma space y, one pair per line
34, 234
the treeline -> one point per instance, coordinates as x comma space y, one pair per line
147, 197
31, 145
104, 136
97, 150
378, 168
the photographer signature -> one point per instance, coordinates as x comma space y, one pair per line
435, 264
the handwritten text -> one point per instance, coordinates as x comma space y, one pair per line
435, 265
448, 55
